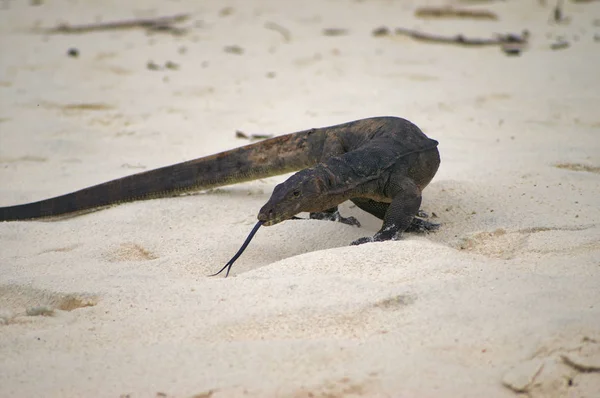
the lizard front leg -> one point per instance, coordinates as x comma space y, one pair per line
378, 209
399, 214
333, 214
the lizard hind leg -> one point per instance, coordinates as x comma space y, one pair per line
399, 214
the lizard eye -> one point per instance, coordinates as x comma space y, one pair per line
296, 193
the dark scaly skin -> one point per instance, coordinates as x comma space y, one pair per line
382, 164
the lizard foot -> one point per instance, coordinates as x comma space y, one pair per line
417, 225
380, 236
422, 226
360, 241
334, 216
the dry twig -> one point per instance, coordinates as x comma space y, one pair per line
450, 12
253, 137
160, 24
459, 39
511, 44
285, 33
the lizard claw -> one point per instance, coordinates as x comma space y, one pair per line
349, 221
422, 214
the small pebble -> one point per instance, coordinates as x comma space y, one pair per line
381, 31
335, 32
559, 45
152, 66
171, 65
234, 50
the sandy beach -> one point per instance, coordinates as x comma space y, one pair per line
502, 301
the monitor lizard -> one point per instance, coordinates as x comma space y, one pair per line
381, 164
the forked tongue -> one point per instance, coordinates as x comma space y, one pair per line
239, 253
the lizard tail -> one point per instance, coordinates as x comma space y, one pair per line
267, 158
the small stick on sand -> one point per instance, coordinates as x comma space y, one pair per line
285, 33
450, 12
460, 39
253, 137
161, 24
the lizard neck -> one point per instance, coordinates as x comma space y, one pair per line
337, 184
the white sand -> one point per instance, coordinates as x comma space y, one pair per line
507, 292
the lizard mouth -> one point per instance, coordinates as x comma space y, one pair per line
269, 217
268, 221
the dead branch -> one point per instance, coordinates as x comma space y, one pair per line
160, 24
450, 12
460, 39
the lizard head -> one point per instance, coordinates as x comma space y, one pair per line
304, 191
